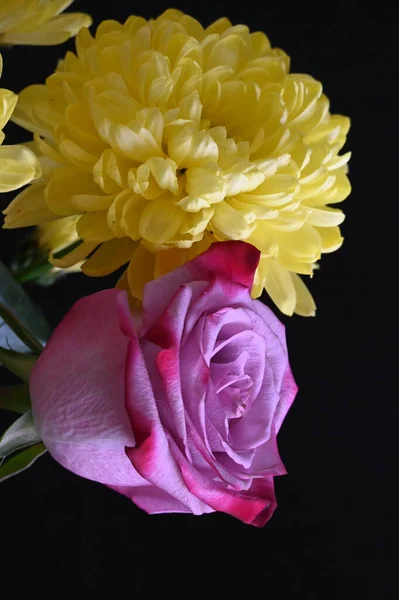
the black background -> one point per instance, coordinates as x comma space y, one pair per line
333, 534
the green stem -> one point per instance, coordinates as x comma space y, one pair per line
15, 398
33, 272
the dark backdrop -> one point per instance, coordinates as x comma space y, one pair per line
330, 536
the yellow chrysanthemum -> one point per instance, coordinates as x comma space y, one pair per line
165, 137
18, 164
39, 22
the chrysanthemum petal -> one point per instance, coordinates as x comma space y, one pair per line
331, 239
205, 183
38, 23
295, 265
18, 166
130, 211
140, 270
92, 202
280, 287
230, 222
305, 243
109, 257
8, 100
57, 235
327, 217
28, 208
160, 221
338, 193
305, 305
25, 113
93, 227
75, 256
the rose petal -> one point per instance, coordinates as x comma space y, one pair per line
77, 393
224, 374
167, 332
221, 448
253, 510
233, 261
288, 391
270, 320
102, 460
215, 297
151, 456
154, 500
168, 419
255, 426
194, 380
210, 325
267, 459
216, 415
275, 343
265, 489
228, 350
216, 469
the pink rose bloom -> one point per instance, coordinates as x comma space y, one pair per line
178, 409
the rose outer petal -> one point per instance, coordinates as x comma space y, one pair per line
288, 392
77, 392
233, 261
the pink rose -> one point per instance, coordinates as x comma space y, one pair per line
178, 409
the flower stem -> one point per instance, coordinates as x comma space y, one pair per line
33, 272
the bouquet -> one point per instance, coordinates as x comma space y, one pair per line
192, 167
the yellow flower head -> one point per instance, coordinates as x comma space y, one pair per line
165, 137
39, 22
18, 164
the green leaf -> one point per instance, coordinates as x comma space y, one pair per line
20, 331
21, 434
21, 461
19, 364
15, 301
15, 398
